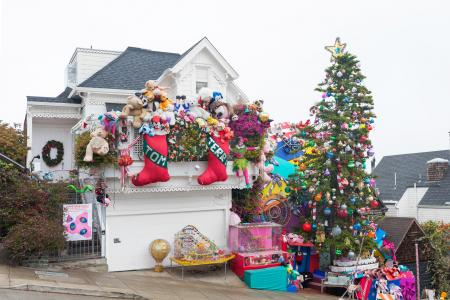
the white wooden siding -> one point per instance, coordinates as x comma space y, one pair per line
440, 213
89, 63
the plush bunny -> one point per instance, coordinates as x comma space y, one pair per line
98, 144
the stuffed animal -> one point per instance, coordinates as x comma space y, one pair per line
196, 110
135, 107
263, 169
97, 144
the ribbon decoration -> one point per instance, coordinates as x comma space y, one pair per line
215, 149
86, 188
125, 160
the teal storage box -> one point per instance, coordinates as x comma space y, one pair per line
274, 279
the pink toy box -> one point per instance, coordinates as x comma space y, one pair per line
256, 245
252, 237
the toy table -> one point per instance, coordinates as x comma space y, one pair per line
192, 263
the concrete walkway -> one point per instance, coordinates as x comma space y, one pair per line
198, 284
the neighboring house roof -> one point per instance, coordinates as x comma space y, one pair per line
114, 106
396, 228
438, 192
409, 169
131, 69
61, 98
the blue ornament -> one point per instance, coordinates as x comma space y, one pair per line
328, 94
314, 226
353, 200
346, 99
357, 226
372, 120
367, 180
330, 154
327, 211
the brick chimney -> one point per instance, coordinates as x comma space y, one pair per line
436, 169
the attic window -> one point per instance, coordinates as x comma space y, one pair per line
201, 78
199, 85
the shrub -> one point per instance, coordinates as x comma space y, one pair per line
438, 234
13, 143
34, 237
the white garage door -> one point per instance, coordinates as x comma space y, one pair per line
135, 222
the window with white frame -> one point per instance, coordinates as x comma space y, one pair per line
201, 78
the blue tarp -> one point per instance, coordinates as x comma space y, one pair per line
284, 169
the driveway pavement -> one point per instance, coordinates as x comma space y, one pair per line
198, 285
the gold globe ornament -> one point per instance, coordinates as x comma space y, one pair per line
159, 249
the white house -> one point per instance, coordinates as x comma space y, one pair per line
416, 185
101, 80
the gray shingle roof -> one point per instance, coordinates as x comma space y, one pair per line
61, 98
396, 228
410, 168
438, 192
131, 69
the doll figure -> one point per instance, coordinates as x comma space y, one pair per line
240, 165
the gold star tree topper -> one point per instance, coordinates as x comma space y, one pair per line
337, 49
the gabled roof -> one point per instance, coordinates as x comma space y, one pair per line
396, 228
131, 69
61, 98
409, 169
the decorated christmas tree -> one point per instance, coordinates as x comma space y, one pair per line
333, 184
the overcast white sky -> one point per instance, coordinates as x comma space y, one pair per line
276, 47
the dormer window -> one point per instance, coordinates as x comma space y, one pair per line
199, 85
201, 78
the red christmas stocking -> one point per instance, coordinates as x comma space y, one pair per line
217, 161
155, 161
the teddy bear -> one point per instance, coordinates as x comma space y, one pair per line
98, 144
136, 107
196, 110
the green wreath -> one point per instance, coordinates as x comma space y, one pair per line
46, 153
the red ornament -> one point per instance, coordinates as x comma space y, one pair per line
306, 227
374, 203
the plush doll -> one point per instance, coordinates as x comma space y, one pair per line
264, 170
98, 144
240, 164
136, 107
155, 155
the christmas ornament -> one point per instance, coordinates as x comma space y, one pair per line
357, 226
327, 211
351, 254
306, 227
374, 204
336, 231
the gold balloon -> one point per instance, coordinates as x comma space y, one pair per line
159, 249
